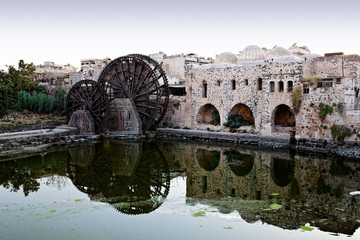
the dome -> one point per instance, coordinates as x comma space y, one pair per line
226, 57
278, 52
252, 53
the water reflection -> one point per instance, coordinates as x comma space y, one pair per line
282, 171
277, 188
132, 177
208, 160
240, 164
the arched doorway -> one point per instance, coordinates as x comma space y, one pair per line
240, 115
208, 114
283, 118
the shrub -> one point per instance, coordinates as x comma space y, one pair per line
42, 103
7, 99
215, 117
324, 110
235, 121
340, 132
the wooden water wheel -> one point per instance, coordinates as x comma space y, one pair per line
137, 77
88, 95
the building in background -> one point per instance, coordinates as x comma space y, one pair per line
51, 75
176, 67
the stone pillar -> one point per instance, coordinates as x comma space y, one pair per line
82, 120
124, 116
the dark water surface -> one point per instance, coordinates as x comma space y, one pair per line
174, 190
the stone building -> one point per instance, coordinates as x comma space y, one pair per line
91, 68
275, 92
176, 67
50, 74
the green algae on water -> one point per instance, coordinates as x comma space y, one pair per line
275, 206
199, 214
306, 228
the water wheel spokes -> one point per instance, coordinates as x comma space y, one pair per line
137, 78
88, 95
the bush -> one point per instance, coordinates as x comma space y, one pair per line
215, 117
324, 110
42, 103
7, 99
235, 121
340, 132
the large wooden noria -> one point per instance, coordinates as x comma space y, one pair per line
136, 77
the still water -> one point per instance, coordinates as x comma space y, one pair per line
174, 190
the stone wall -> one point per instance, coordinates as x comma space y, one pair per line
224, 94
266, 89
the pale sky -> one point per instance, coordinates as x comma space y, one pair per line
69, 30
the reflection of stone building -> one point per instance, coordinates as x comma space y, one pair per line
308, 189
51, 74
264, 87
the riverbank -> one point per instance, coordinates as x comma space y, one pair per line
350, 149
26, 121
37, 141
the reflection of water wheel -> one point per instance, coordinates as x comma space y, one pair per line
88, 95
146, 189
137, 77
90, 176
138, 189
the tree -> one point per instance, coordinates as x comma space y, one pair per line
14, 81
21, 78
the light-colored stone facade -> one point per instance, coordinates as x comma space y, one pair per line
50, 74
175, 66
92, 68
262, 92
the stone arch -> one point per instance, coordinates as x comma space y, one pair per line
244, 111
208, 160
205, 114
282, 171
283, 116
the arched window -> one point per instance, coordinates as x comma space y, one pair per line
204, 93
259, 84
246, 82
290, 86
306, 88
272, 86
233, 84
281, 86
